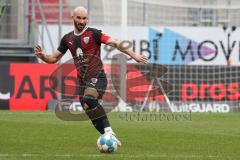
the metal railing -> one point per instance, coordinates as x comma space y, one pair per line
13, 22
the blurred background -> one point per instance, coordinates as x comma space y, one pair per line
193, 49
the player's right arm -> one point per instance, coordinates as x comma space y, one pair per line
53, 58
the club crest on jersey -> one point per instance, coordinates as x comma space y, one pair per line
86, 40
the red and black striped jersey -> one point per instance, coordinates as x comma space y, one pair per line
86, 51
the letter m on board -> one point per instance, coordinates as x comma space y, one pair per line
183, 54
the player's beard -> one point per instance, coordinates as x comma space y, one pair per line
79, 27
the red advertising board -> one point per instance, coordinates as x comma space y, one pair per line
30, 87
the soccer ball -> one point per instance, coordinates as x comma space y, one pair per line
107, 143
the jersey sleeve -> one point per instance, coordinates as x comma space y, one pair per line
100, 37
63, 46
104, 38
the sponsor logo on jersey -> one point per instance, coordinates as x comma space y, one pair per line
79, 52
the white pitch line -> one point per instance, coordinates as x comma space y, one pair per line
114, 155
4, 155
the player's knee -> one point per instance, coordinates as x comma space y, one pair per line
90, 100
85, 106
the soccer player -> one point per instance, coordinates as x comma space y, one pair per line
84, 44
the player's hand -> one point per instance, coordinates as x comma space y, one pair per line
140, 58
39, 51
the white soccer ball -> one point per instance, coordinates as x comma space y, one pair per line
107, 143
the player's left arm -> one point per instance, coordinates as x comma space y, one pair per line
137, 57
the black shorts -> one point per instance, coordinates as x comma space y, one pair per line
99, 83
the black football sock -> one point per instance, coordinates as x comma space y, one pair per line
98, 118
101, 123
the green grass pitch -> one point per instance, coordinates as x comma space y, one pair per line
42, 136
